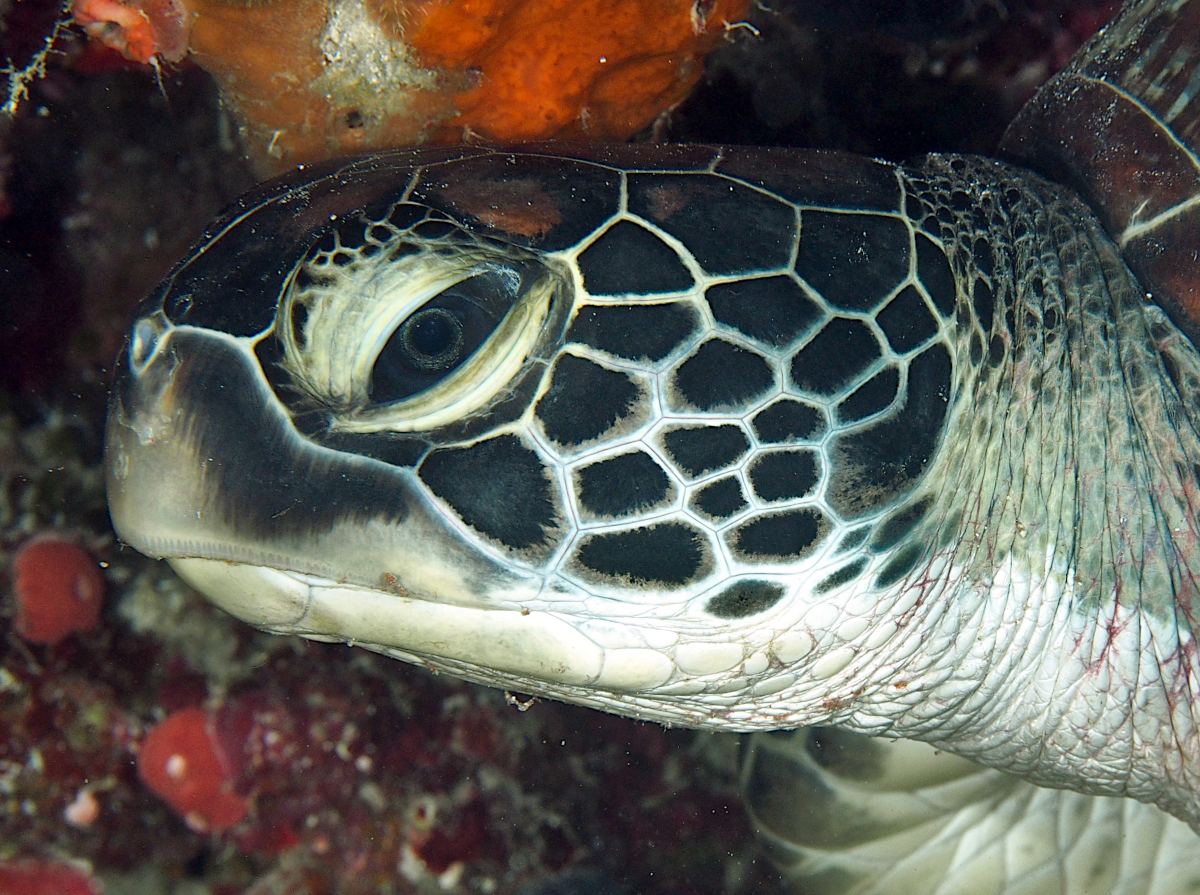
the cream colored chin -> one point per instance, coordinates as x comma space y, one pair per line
533, 645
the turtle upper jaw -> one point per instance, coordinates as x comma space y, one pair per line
202, 465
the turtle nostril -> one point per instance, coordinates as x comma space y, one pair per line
143, 344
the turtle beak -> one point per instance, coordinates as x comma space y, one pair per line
203, 462
206, 470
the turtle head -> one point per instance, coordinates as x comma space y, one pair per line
564, 441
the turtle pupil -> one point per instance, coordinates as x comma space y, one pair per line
433, 339
441, 335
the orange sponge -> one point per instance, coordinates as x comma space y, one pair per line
312, 79
600, 69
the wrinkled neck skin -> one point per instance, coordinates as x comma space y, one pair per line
1052, 635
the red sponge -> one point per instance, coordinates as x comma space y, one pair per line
45, 878
59, 589
182, 762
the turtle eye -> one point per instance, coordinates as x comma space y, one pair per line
431, 339
441, 335
415, 334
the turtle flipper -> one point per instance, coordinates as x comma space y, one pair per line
845, 814
1121, 126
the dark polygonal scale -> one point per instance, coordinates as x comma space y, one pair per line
669, 555
744, 598
779, 537
584, 400
854, 261
634, 332
624, 485
788, 420
906, 321
775, 310
837, 356
842, 576
720, 499
727, 227
871, 397
697, 450
722, 376
606, 269
499, 487
784, 475
935, 275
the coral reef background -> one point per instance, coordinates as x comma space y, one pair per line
328, 769
308, 79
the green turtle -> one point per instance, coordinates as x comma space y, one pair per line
747, 440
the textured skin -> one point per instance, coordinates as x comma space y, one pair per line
970, 521
1080, 491
895, 817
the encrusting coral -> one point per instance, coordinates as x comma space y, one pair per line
314, 79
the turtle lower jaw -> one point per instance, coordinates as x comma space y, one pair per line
532, 644
532, 651
529, 651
